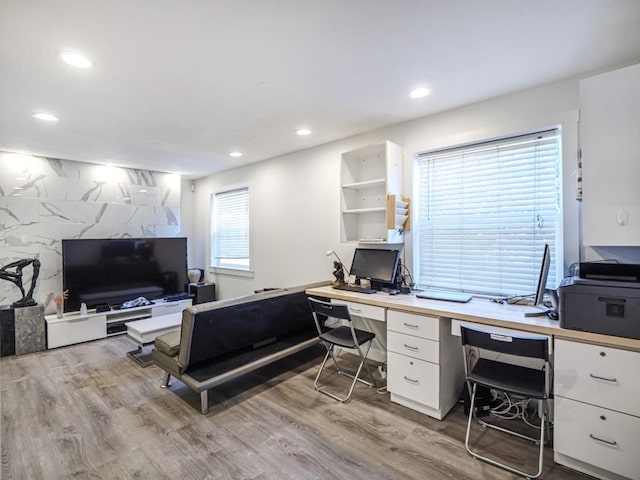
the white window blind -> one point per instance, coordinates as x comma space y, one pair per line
485, 212
230, 227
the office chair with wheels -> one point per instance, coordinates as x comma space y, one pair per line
515, 380
344, 336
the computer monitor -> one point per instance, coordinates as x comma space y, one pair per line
538, 301
377, 265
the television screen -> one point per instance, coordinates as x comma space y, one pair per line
115, 270
377, 265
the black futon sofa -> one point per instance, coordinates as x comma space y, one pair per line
221, 340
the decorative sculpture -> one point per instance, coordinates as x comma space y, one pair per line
338, 272
15, 277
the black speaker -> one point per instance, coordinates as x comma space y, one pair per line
202, 292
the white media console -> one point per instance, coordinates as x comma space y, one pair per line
76, 328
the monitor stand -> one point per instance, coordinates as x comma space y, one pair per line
552, 313
542, 311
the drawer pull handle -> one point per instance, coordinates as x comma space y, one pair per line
612, 380
357, 310
415, 349
608, 442
411, 380
410, 326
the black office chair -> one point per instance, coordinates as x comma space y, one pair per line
344, 336
518, 381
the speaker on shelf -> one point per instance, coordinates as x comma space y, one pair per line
202, 292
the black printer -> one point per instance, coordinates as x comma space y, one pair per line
604, 298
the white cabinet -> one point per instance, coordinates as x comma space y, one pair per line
597, 412
610, 145
76, 328
425, 370
372, 207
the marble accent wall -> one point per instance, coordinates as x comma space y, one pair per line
45, 200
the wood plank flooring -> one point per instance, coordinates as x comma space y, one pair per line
90, 412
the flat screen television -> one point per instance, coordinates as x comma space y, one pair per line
115, 270
377, 265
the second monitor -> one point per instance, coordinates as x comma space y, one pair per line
376, 265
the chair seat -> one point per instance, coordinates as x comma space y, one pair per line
524, 381
341, 336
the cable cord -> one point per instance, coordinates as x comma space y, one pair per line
509, 409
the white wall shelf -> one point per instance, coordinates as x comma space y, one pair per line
380, 182
356, 211
369, 177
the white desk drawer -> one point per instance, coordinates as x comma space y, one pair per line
363, 310
412, 324
597, 436
414, 379
75, 330
416, 347
602, 376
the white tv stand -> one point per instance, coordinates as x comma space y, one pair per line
76, 328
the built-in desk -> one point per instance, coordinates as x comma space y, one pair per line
478, 310
595, 434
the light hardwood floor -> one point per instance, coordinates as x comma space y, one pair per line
90, 412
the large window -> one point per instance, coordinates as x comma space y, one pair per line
485, 212
230, 229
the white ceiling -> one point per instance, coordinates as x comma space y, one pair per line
179, 84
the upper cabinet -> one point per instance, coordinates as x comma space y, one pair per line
610, 144
372, 207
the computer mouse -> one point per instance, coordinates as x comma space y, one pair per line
394, 292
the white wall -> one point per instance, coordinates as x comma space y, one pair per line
295, 198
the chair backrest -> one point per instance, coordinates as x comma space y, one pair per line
322, 310
531, 346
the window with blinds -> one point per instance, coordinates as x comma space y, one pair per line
230, 229
485, 212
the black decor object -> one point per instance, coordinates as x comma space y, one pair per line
15, 277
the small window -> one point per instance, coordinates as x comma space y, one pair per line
485, 212
230, 229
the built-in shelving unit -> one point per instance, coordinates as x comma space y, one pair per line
371, 187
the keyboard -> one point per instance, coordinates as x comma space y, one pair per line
353, 288
448, 296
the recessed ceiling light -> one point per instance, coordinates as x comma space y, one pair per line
303, 131
419, 92
75, 59
47, 117
142, 190
235, 154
